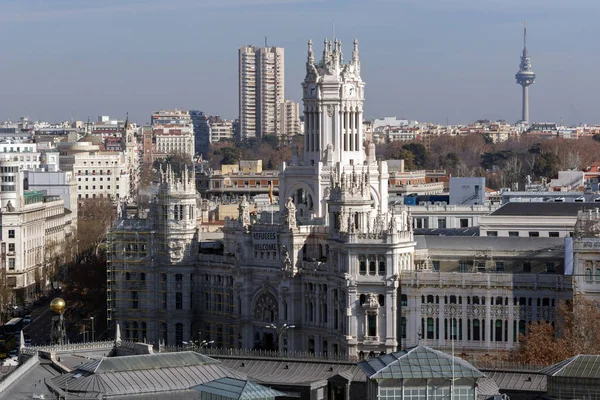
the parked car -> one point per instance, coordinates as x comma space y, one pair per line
27, 319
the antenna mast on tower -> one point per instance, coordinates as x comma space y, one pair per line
333, 29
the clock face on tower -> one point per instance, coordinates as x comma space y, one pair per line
312, 90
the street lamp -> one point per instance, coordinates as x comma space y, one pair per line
206, 343
280, 330
93, 331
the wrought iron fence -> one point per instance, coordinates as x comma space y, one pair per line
271, 354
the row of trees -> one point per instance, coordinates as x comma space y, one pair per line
269, 149
503, 164
575, 331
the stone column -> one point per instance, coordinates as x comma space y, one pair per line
323, 127
351, 311
313, 124
358, 130
345, 126
441, 317
488, 327
351, 130
391, 309
318, 131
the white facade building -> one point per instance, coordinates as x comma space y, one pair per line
221, 130
467, 191
173, 139
56, 183
31, 222
26, 154
99, 174
290, 119
339, 265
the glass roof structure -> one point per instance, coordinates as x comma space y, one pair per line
238, 389
580, 366
420, 362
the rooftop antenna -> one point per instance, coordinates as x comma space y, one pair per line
333, 29
266, 42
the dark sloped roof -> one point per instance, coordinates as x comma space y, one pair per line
419, 362
518, 381
580, 366
238, 389
146, 361
471, 231
487, 388
292, 372
120, 376
501, 243
543, 209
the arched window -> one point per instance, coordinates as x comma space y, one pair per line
522, 327
429, 328
430, 299
452, 299
372, 264
179, 301
363, 298
178, 334
134, 329
381, 267
381, 299
588, 274
362, 269
144, 330
597, 274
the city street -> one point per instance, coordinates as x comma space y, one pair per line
39, 328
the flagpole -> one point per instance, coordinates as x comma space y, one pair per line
271, 200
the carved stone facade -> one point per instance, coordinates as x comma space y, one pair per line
340, 266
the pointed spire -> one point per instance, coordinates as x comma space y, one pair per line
311, 54
355, 51
118, 336
325, 50
525, 39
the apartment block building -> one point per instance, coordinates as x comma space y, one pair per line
31, 222
261, 91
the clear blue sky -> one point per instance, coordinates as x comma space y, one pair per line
429, 60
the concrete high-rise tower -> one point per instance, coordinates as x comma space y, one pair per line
247, 92
261, 90
525, 77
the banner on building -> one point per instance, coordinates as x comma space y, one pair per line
264, 241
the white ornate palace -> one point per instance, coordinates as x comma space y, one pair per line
341, 267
